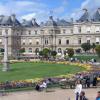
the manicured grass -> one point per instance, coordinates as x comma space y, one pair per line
29, 70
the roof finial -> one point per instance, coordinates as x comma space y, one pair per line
51, 12
85, 10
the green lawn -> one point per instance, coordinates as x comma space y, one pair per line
29, 70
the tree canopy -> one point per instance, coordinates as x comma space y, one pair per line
86, 46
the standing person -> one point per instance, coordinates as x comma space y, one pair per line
98, 96
78, 89
88, 82
94, 81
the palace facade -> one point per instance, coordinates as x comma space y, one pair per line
54, 34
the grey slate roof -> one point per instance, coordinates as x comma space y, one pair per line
96, 16
51, 22
63, 23
31, 23
7, 20
85, 17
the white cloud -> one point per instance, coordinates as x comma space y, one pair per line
90, 5
29, 16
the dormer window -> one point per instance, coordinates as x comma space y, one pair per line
29, 32
35, 32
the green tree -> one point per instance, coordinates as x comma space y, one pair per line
46, 52
97, 48
40, 53
53, 53
70, 52
86, 46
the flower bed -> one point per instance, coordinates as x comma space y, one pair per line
31, 82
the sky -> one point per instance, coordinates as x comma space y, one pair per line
42, 9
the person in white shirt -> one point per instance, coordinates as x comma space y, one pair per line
78, 89
43, 85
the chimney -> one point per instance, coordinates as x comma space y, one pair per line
85, 10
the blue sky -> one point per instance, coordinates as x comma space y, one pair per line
40, 9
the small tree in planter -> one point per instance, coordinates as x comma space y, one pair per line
46, 53
70, 52
53, 53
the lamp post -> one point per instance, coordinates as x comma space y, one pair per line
5, 60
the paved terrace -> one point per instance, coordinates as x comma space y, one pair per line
56, 94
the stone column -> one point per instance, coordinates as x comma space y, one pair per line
5, 60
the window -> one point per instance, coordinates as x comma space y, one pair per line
79, 29
29, 32
88, 29
79, 41
97, 40
37, 51
35, 32
0, 32
59, 41
0, 41
67, 41
30, 41
88, 40
59, 50
37, 41
30, 50
42, 31
97, 29
46, 41
64, 31
23, 42
71, 30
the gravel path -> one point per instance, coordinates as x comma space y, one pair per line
56, 94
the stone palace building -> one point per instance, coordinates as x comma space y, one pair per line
54, 34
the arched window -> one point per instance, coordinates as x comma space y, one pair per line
37, 51
59, 50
